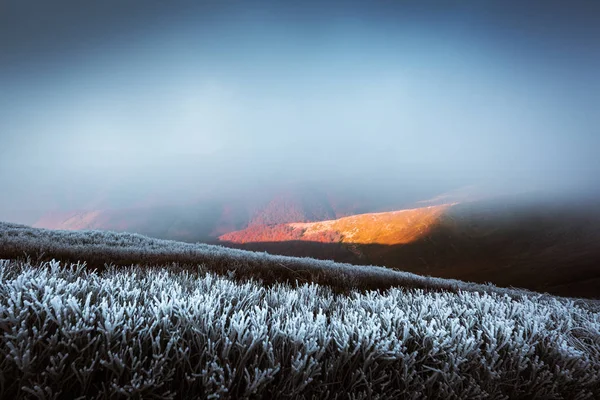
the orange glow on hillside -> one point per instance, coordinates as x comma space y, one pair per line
389, 228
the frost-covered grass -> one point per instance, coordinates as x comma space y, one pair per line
99, 248
166, 333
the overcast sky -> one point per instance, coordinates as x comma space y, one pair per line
223, 94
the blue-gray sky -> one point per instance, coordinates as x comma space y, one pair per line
216, 95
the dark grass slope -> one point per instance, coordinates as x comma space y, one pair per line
548, 246
99, 249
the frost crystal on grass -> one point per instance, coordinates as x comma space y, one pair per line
156, 333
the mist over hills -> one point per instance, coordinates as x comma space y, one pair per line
537, 240
205, 216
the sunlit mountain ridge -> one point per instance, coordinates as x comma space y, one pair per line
393, 227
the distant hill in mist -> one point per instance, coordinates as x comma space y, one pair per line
539, 245
529, 241
205, 218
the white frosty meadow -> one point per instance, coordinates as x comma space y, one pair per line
156, 333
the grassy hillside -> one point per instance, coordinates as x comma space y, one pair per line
201, 321
98, 249
553, 247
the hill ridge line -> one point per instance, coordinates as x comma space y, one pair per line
99, 249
